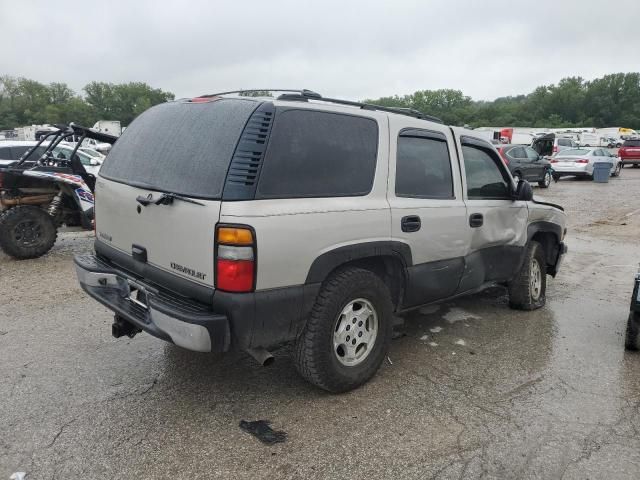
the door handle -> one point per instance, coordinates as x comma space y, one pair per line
476, 220
410, 223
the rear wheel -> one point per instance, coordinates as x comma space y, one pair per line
348, 333
632, 337
546, 180
26, 231
528, 289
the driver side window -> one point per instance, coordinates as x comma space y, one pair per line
485, 179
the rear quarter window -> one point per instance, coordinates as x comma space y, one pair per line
319, 154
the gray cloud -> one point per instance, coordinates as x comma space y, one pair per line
352, 49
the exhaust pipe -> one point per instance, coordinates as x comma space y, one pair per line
262, 356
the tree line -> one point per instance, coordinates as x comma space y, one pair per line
27, 102
610, 101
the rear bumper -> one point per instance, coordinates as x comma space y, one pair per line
630, 161
186, 323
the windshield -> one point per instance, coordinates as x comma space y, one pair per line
570, 152
180, 147
631, 143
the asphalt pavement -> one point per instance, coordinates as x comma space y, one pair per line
474, 389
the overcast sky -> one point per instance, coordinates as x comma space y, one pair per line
344, 48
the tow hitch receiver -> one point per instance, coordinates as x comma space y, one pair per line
121, 327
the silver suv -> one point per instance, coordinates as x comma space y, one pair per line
231, 222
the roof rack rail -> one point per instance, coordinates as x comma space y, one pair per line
305, 95
304, 92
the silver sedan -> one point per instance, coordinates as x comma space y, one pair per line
580, 161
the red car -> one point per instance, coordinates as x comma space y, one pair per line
629, 153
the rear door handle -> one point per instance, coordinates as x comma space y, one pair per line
410, 223
476, 220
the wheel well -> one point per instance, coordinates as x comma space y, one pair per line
550, 244
388, 267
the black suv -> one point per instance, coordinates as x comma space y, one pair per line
525, 163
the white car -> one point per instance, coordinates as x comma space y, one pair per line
579, 162
91, 164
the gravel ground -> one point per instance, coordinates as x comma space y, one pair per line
473, 390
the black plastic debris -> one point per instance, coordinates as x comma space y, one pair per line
262, 431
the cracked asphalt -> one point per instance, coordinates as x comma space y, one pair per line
474, 389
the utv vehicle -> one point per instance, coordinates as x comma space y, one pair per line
43, 191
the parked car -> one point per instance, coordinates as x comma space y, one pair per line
579, 162
629, 153
308, 220
550, 144
525, 163
12, 150
91, 164
93, 153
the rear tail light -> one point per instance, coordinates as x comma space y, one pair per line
555, 149
235, 259
553, 160
582, 160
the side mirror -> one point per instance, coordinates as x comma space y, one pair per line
524, 192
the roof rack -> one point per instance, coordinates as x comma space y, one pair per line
306, 95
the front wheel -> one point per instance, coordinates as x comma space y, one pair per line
26, 231
528, 289
546, 180
632, 337
616, 172
348, 333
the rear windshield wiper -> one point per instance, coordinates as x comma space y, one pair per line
166, 198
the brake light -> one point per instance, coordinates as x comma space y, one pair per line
553, 160
235, 259
555, 149
582, 160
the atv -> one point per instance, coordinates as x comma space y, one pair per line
40, 193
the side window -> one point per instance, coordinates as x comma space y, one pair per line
531, 153
17, 152
485, 178
319, 154
5, 153
563, 142
423, 166
517, 153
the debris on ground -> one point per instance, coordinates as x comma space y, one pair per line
424, 338
262, 430
17, 476
435, 329
433, 344
460, 342
389, 360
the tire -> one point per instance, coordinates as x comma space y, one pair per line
632, 337
26, 231
616, 172
636, 165
527, 290
546, 180
316, 356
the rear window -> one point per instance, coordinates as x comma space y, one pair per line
564, 142
180, 147
631, 143
319, 154
574, 151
